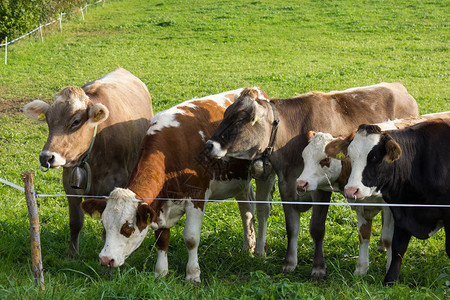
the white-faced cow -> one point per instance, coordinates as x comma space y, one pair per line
96, 129
327, 167
408, 166
173, 167
276, 130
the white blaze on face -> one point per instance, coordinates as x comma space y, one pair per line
358, 150
316, 175
121, 209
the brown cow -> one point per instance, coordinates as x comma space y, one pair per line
250, 130
110, 115
172, 168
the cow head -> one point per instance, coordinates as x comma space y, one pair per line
362, 151
125, 220
245, 130
71, 120
319, 170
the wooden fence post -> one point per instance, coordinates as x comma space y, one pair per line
6, 50
35, 239
40, 32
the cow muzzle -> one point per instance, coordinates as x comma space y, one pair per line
108, 262
214, 149
49, 159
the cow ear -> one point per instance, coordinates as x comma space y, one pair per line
98, 113
94, 207
310, 134
143, 216
337, 149
36, 110
393, 151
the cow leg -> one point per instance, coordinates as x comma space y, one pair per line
263, 193
76, 221
364, 229
292, 219
317, 231
247, 211
447, 236
162, 237
194, 219
381, 247
400, 242
387, 231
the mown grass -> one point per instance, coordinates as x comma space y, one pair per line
184, 49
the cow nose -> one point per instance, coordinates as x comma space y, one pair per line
209, 146
352, 192
106, 261
46, 159
302, 185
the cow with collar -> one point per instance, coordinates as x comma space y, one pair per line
327, 167
275, 130
94, 134
174, 177
408, 166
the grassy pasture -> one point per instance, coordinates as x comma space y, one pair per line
185, 49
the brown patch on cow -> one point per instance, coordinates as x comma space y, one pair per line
337, 149
145, 214
162, 237
325, 162
345, 173
365, 230
93, 205
393, 151
127, 229
369, 129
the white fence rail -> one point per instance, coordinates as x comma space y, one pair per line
59, 19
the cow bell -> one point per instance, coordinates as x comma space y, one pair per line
80, 178
261, 168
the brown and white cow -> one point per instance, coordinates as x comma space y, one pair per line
118, 107
172, 178
247, 127
331, 174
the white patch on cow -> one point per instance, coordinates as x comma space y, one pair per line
358, 150
120, 208
57, 161
168, 118
202, 135
260, 94
170, 213
222, 99
216, 150
194, 219
314, 174
362, 265
162, 264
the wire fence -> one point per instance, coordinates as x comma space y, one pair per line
37, 195
39, 28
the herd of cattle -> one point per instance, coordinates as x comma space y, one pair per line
155, 169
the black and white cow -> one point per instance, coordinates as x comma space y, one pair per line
408, 166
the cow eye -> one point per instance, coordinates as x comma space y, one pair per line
75, 123
325, 162
127, 229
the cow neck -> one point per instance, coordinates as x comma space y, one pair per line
273, 134
86, 156
147, 179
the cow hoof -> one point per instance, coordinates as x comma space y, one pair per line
318, 274
287, 268
381, 249
359, 271
71, 254
195, 280
260, 253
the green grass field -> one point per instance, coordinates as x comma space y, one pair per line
185, 49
